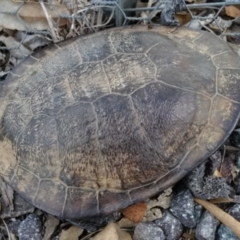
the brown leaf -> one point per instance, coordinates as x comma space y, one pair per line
222, 216
233, 11
112, 232
221, 200
183, 18
50, 225
135, 212
216, 173
126, 223
72, 233
31, 14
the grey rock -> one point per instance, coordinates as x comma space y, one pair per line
206, 228
30, 228
14, 226
223, 231
235, 211
207, 187
235, 138
182, 207
198, 212
170, 225
148, 231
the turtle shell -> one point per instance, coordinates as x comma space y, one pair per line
97, 123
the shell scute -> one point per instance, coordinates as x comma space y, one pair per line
192, 70
81, 202
211, 44
88, 82
77, 129
60, 61
225, 60
56, 195
15, 119
53, 96
229, 83
125, 72
25, 183
122, 143
37, 148
118, 201
94, 48
133, 42
223, 112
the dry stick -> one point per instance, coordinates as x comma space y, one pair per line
222, 216
49, 20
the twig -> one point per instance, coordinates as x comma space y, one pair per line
49, 20
222, 216
9, 235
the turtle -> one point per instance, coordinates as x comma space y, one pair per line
96, 123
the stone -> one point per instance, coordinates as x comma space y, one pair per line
235, 138
198, 212
148, 231
182, 207
207, 186
30, 228
206, 228
170, 225
224, 233
14, 226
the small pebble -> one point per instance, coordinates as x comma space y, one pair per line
198, 212
148, 231
223, 231
170, 225
206, 228
14, 226
182, 207
235, 138
30, 228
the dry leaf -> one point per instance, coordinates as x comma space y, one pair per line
32, 15
12, 236
221, 200
221, 23
50, 225
152, 214
222, 216
126, 223
32, 41
112, 232
217, 173
16, 49
183, 18
72, 233
135, 212
233, 11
